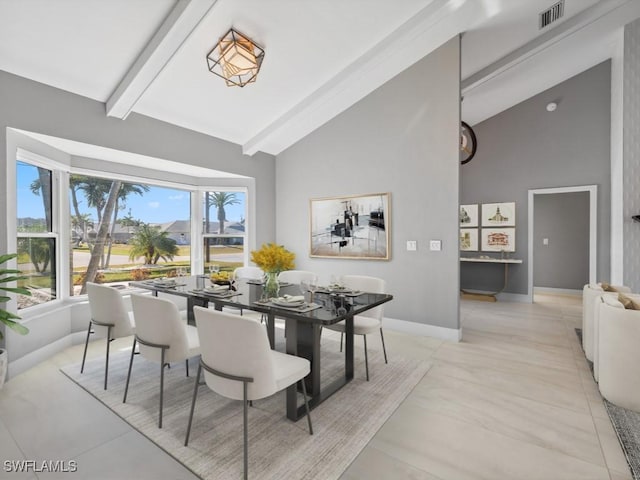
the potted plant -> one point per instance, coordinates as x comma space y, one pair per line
8, 318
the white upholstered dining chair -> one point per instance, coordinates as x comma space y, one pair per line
369, 321
163, 337
297, 276
107, 312
239, 364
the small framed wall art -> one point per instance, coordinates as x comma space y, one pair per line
469, 215
499, 214
468, 239
499, 239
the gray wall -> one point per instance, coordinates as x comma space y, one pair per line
631, 153
526, 147
402, 139
563, 219
35, 107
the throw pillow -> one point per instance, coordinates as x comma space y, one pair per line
628, 302
608, 288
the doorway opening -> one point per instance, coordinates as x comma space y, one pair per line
562, 243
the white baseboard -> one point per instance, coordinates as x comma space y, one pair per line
423, 329
36, 357
514, 297
558, 291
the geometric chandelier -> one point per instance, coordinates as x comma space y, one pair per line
236, 58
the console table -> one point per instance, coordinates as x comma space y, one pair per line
489, 297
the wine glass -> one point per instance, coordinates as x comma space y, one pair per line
214, 269
312, 286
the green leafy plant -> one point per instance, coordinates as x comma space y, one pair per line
6, 276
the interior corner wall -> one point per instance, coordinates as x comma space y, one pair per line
403, 138
631, 155
35, 107
526, 147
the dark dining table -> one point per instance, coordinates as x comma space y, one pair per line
303, 324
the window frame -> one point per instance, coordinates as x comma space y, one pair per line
61, 217
58, 176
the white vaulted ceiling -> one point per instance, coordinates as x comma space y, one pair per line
322, 56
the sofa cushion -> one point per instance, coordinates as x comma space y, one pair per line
608, 288
612, 301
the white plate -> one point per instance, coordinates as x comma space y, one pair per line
284, 303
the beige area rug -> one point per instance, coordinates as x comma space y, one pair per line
278, 448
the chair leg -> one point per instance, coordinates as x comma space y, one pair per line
366, 360
186, 363
193, 404
161, 387
246, 434
306, 406
341, 335
384, 350
86, 344
126, 388
106, 362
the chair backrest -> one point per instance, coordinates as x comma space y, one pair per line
158, 322
367, 284
107, 306
297, 276
236, 346
248, 273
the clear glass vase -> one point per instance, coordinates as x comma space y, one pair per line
271, 285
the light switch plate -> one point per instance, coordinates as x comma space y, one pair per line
435, 245
545, 241
412, 245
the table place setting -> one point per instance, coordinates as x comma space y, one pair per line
164, 282
215, 291
339, 290
291, 302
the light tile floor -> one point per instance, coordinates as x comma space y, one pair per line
514, 400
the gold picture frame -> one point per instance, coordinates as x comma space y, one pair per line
352, 226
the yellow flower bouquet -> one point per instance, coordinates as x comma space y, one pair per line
272, 258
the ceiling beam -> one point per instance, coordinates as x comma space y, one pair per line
423, 33
176, 28
541, 43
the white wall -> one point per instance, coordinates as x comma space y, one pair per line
402, 138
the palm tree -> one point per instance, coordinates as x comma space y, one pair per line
125, 191
103, 231
218, 200
152, 244
221, 200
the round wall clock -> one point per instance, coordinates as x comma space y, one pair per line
468, 143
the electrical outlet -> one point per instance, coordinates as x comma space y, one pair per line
435, 245
545, 241
412, 245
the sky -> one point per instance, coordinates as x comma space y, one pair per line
158, 205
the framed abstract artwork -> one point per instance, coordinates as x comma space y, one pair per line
469, 215
468, 239
499, 239
355, 226
499, 214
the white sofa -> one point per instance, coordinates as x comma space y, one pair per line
589, 295
618, 352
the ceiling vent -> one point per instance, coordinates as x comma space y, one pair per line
551, 14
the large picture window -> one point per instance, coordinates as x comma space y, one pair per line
123, 231
36, 236
116, 230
